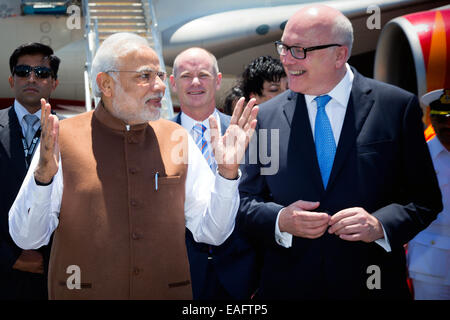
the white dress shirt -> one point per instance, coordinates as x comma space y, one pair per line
188, 123
335, 110
210, 208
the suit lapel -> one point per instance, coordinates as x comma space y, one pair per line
301, 142
293, 99
11, 140
224, 122
178, 118
359, 106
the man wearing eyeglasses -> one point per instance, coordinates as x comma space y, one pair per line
355, 179
118, 187
33, 76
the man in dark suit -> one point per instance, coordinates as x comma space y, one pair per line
227, 271
33, 76
353, 182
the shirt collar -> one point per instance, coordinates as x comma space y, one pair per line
188, 123
21, 111
435, 146
341, 92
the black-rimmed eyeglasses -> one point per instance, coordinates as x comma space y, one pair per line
24, 71
299, 52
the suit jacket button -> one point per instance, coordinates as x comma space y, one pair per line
136, 271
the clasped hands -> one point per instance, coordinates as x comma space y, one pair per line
351, 224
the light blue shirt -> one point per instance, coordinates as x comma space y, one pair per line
21, 112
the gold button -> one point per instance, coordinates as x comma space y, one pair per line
433, 242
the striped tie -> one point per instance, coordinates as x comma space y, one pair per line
324, 139
199, 138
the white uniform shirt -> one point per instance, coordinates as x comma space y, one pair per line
429, 251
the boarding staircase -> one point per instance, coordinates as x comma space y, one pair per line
103, 18
119, 16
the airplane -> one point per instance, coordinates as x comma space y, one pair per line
235, 31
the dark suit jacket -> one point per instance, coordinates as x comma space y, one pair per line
13, 283
234, 261
382, 164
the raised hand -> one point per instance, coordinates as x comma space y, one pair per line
230, 148
49, 151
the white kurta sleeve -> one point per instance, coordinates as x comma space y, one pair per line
211, 202
34, 214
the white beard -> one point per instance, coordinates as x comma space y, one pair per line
141, 114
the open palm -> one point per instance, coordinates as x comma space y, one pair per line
230, 148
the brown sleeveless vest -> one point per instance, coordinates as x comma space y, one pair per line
126, 238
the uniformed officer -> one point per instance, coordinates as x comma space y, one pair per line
429, 251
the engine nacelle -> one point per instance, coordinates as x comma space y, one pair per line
413, 52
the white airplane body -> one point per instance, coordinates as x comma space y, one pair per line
235, 31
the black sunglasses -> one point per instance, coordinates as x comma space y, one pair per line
300, 52
24, 71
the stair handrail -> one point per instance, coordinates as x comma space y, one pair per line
157, 43
92, 43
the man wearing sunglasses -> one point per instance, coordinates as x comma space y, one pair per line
429, 251
33, 76
355, 179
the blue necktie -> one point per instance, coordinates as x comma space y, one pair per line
199, 138
324, 139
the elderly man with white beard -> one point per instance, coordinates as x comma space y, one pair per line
116, 189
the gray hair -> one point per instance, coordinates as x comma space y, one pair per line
215, 65
343, 32
112, 48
